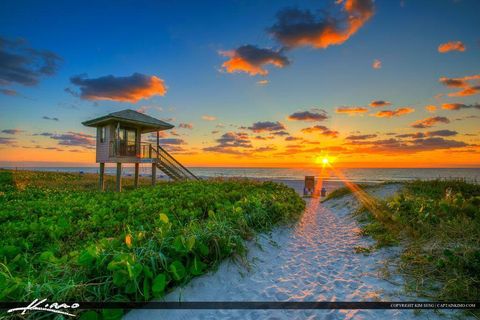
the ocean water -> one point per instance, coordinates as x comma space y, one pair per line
351, 174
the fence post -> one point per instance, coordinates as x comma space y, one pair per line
136, 174
101, 181
119, 177
154, 173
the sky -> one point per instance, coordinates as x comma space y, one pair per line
366, 83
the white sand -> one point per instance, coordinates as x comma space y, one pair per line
311, 261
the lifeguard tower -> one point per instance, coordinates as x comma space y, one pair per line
119, 140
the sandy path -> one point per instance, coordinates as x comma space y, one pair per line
312, 261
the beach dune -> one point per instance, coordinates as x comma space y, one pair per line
314, 260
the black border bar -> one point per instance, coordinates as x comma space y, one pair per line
250, 305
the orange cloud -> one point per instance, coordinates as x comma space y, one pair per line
469, 91
123, 89
251, 59
458, 106
429, 122
393, 113
469, 85
351, 110
321, 130
377, 64
296, 28
431, 108
451, 46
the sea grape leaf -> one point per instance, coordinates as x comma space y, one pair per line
8, 290
190, 243
9, 251
164, 218
179, 245
211, 214
47, 256
87, 257
120, 278
197, 267
159, 283
177, 269
114, 265
130, 287
203, 249
146, 288
129, 269
128, 240
147, 272
136, 269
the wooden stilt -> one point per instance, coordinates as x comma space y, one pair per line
119, 177
101, 180
136, 174
154, 173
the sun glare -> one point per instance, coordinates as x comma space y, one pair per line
324, 160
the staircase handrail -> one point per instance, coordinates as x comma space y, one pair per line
175, 161
167, 164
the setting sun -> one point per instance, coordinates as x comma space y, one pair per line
324, 160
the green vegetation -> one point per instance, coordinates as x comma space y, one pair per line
22, 179
343, 191
439, 224
64, 243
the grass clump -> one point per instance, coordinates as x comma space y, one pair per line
76, 245
439, 223
343, 191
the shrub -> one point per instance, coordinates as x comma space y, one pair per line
91, 246
439, 222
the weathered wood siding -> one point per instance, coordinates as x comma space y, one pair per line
103, 147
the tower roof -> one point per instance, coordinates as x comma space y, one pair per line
132, 117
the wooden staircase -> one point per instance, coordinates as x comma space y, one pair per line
169, 165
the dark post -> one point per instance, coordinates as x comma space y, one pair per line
154, 173
101, 181
136, 174
158, 138
119, 176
